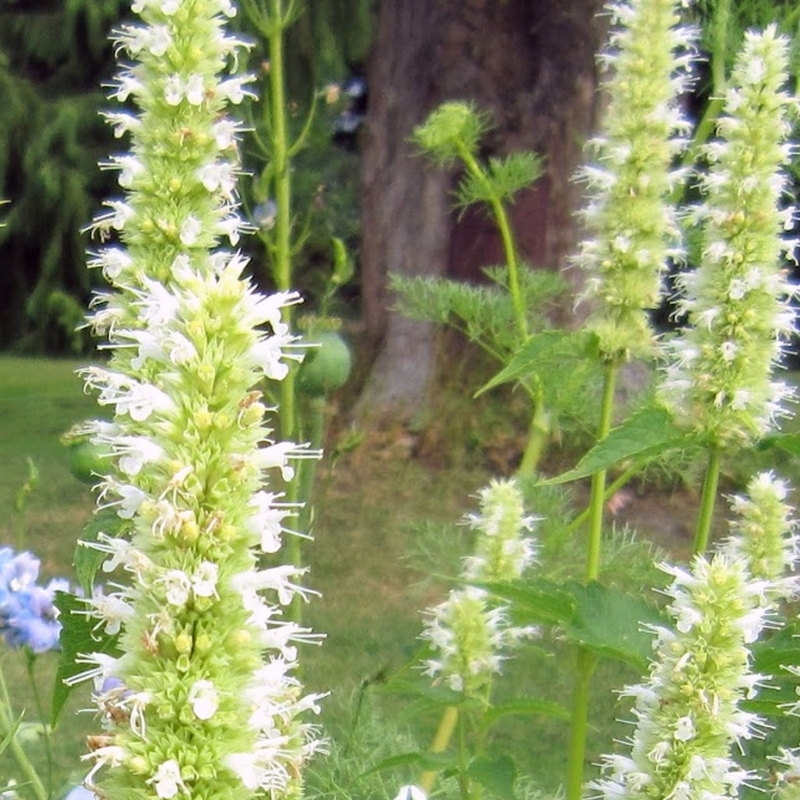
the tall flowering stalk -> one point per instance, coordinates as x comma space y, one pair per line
202, 703
737, 301
688, 714
632, 231
469, 635
631, 223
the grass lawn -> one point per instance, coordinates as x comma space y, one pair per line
385, 519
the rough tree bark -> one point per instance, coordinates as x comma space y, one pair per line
531, 63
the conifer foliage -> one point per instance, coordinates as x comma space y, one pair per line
54, 56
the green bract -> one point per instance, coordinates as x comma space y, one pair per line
451, 130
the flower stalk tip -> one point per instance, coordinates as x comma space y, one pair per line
738, 300
631, 224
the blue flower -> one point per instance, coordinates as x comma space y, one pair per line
27, 614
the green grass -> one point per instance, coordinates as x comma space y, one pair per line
39, 400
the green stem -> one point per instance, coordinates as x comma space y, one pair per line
281, 245
540, 423
719, 46
580, 724
281, 267
608, 494
447, 724
30, 663
538, 435
597, 497
707, 500
463, 778
508, 242
20, 756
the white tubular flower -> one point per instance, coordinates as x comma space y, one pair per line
688, 715
631, 225
189, 339
468, 635
737, 301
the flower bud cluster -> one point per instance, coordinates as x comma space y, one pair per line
688, 714
737, 301
467, 633
203, 701
632, 229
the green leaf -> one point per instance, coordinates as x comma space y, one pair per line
78, 637
535, 600
495, 774
771, 657
420, 693
788, 442
87, 560
12, 732
609, 622
544, 352
647, 432
437, 762
527, 705
499, 179
343, 269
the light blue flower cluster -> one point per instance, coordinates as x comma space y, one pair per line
27, 614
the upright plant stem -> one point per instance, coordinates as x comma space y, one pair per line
30, 663
540, 422
20, 756
282, 248
447, 724
586, 660
580, 724
508, 244
707, 500
599, 478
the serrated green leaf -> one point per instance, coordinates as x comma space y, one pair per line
78, 636
535, 600
543, 353
609, 622
646, 433
495, 774
87, 560
527, 705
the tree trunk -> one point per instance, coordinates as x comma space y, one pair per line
530, 63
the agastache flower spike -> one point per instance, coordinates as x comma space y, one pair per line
688, 714
737, 301
469, 635
631, 225
202, 703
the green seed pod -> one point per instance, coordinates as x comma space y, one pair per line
326, 367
